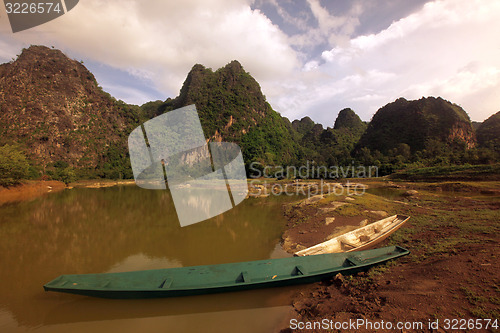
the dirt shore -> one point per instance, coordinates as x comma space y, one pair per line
31, 189
451, 273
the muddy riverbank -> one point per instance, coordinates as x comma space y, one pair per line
29, 190
32, 189
452, 271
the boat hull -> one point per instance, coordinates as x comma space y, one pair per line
197, 280
360, 239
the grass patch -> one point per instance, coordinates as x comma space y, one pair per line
495, 300
455, 172
365, 202
374, 202
349, 210
472, 297
381, 269
446, 246
481, 312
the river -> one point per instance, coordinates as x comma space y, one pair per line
125, 228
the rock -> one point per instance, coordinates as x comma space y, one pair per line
337, 204
410, 193
332, 206
299, 306
329, 220
338, 280
300, 247
312, 199
350, 199
379, 213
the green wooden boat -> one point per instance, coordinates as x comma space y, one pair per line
195, 280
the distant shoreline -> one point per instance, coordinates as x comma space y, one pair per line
31, 189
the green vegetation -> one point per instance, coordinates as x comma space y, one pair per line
67, 126
76, 122
453, 172
330, 146
62, 171
231, 107
418, 124
347, 118
488, 133
13, 165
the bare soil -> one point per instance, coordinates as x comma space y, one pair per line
29, 190
452, 271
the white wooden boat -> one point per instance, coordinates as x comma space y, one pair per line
358, 239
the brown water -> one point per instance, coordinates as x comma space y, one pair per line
127, 228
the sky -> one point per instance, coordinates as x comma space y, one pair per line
311, 57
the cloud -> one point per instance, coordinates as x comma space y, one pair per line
309, 24
162, 40
8, 49
300, 19
336, 28
331, 29
448, 48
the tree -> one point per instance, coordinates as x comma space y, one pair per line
404, 150
13, 165
365, 156
67, 175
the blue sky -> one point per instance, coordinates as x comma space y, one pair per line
311, 57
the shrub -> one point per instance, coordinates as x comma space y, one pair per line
13, 165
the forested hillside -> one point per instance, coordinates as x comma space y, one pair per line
56, 122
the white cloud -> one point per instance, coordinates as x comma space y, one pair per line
298, 19
310, 65
337, 29
8, 50
331, 29
448, 48
162, 40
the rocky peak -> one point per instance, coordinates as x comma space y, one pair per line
47, 67
303, 125
234, 67
232, 108
417, 123
488, 133
347, 118
54, 107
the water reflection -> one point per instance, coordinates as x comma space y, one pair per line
120, 229
106, 309
386, 192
